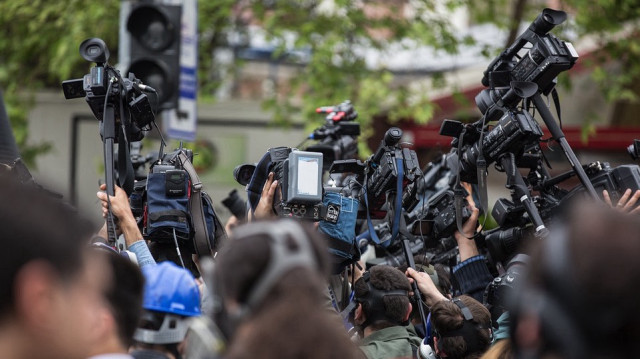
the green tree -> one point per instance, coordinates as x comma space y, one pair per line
615, 25
39, 49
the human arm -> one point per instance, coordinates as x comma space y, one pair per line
467, 247
471, 274
431, 294
127, 223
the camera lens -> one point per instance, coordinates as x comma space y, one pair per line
243, 173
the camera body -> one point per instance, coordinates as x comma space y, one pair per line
299, 176
513, 132
337, 137
375, 178
104, 85
614, 180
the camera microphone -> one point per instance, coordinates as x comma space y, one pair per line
146, 88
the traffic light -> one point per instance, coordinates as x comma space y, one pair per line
154, 38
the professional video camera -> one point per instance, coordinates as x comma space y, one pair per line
171, 207
122, 108
391, 168
514, 142
547, 57
431, 214
337, 137
108, 93
299, 174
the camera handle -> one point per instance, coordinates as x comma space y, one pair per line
109, 135
406, 247
558, 135
520, 192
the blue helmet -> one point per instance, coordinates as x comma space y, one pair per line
170, 296
171, 289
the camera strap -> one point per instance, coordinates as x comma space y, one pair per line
397, 211
372, 231
201, 235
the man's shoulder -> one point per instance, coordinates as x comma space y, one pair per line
112, 356
390, 342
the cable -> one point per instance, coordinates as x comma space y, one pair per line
175, 240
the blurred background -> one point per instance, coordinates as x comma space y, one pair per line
237, 77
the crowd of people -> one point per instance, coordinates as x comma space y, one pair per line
68, 295
270, 291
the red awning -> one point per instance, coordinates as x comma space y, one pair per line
604, 138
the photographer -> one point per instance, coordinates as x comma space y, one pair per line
171, 299
462, 326
471, 274
123, 306
51, 285
269, 285
579, 298
382, 314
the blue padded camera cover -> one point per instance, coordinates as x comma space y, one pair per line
166, 213
340, 225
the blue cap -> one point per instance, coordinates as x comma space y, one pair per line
171, 289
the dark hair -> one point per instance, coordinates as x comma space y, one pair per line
446, 316
385, 278
292, 321
585, 281
36, 226
124, 295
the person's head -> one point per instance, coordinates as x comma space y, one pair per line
50, 287
382, 297
171, 298
268, 287
123, 296
461, 327
579, 298
252, 269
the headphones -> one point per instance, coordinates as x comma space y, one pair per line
560, 331
289, 247
469, 330
375, 301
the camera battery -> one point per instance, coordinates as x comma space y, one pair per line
175, 183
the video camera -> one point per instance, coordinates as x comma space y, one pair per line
512, 134
104, 86
391, 168
122, 109
547, 57
299, 176
431, 214
337, 137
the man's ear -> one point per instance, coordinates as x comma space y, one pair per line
359, 316
406, 316
439, 353
35, 292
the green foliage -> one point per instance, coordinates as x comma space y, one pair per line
39, 48
336, 37
616, 27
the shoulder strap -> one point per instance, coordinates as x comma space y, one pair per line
201, 235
